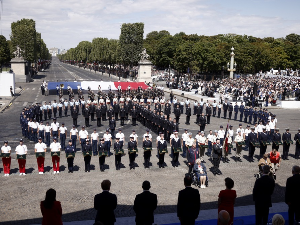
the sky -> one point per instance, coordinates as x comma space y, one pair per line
64, 23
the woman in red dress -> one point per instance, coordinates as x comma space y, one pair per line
227, 199
51, 209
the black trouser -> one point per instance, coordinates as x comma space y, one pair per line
66, 112
225, 114
75, 121
54, 112
251, 150
198, 118
102, 162
262, 150
122, 121
202, 127
87, 162
45, 114
133, 121
147, 155
177, 119
191, 168
235, 115
208, 119
261, 215
99, 122
216, 163
214, 111
92, 116
70, 163
294, 214
161, 158
219, 113
187, 120
116, 116
104, 117
87, 122
118, 160
132, 158
286, 149
275, 146
230, 115
297, 152
241, 117
60, 112
112, 132
175, 157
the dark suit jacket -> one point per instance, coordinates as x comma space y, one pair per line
188, 205
292, 190
105, 203
144, 206
263, 190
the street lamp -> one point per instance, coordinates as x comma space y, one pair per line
169, 72
232, 66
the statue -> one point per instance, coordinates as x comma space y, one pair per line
144, 55
17, 53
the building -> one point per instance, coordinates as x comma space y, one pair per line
54, 51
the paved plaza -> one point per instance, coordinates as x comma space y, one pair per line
21, 195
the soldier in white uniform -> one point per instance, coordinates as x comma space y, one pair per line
184, 138
5, 149
21, 151
55, 148
202, 141
40, 147
238, 138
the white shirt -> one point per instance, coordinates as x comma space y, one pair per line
62, 130
247, 131
259, 128
5, 149
150, 135
185, 136
41, 127
135, 136
121, 136
172, 136
47, 128
202, 139
55, 147
83, 134
54, 126
238, 138
107, 137
21, 150
34, 125
221, 133
73, 131
189, 141
272, 125
210, 137
230, 132
240, 129
94, 136
40, 147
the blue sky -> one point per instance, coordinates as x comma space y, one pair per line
64, 23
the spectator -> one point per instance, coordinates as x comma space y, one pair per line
51, 209
278, 220
200, 170
292, 197
227, 198
105, 203
262, 192
188, 205
144, 205
223, 218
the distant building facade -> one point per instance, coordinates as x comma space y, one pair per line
54, 51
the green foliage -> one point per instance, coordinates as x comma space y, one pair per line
4, 50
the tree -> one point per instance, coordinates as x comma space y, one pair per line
4, 51
23, 34
131, 43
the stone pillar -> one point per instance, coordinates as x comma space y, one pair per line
144, 72
18, 67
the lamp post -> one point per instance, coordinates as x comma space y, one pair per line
232, 65
169, 72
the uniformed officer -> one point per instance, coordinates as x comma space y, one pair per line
49, 106
62, 135
112, 127
252, 140
116, 111
122, 115
147, 146
86, 115
66, 106
230, 110
188, 113
286, 139
98, 115
75, 116
225, 108
92, 111
54, 128
70, 160
87, 150
162, 149
177, 113
263, 138
132, 154
103, 112
47, 134
219, 109
238, 139
60, 108
107, 141
242, 108
276, 139
133, 115
55, 148
83, 135
214, 105
176, 148
40, 147
118, 147
297, 140
102, 154
208, 113
217, 154
5, 149
74, 136
54, 108
21, 150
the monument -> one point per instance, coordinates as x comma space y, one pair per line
18, 66
145, 68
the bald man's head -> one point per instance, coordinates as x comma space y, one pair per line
223, 218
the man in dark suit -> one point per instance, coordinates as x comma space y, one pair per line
105, 203
188, 205
292, 197
144, 205
262, 192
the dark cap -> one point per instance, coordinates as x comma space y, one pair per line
131, 137
95, 129
146, 135
83, 126
54, 118
276, 128
230, 126
5, 142
62, 123
55, 138
248, 125
73, 126
120, 129
107, 130
41, 121
240, 124
133, 130
147, 130
221, 126
40, 138
70, 140
21, 140
185, 129
287, 128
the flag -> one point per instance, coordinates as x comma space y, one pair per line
225, 145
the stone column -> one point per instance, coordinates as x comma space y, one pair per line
18, 67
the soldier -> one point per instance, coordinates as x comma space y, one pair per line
177, 113
83, 135
252, 140
184, 138
40, 147
132, 144
102, 154
21, 150
122, 115
217, 154
49, 106
134, 116
87, 148
74, 116
6, 149
297, 140
236, 111
55, 148
276, 138
118, 147
103, 112
219, 109
112, 127
98, 116
214, 105
66, 105
162, 149
94, 139
54, 108
188, 113
147, 146
168, 110
242, 108
107, 141
202, 122
176, 148
62, 133
250, 113
54, 128
263, 138
116, 110
41, 130
47, 134
110, 112
286, 139
230, 110
192, 155
238, 139
208, 113
202, 141
45, 109
70, 160
225, 108
92, 109
74, 136
60, 106
86, 114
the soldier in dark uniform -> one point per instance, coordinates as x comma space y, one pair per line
175, 144
103, 112
168, 110
132, 145
250, 113
87, 158
198, 113
276, 137
102, 154
246, 111
236, 111
177, 113
112, 127
242, 108
297, 140
116, 110
122, 115
225, 108
92, 111
70, 160
161, 147
126, 107
192, 155
208, 114
230, 110
188, 113
255, 114
202, 122
263, 137
252, 139
118, 147
217, 154
98, 116
147, 146
134, 116
86, 114
286, 138
75, 116
110, 112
